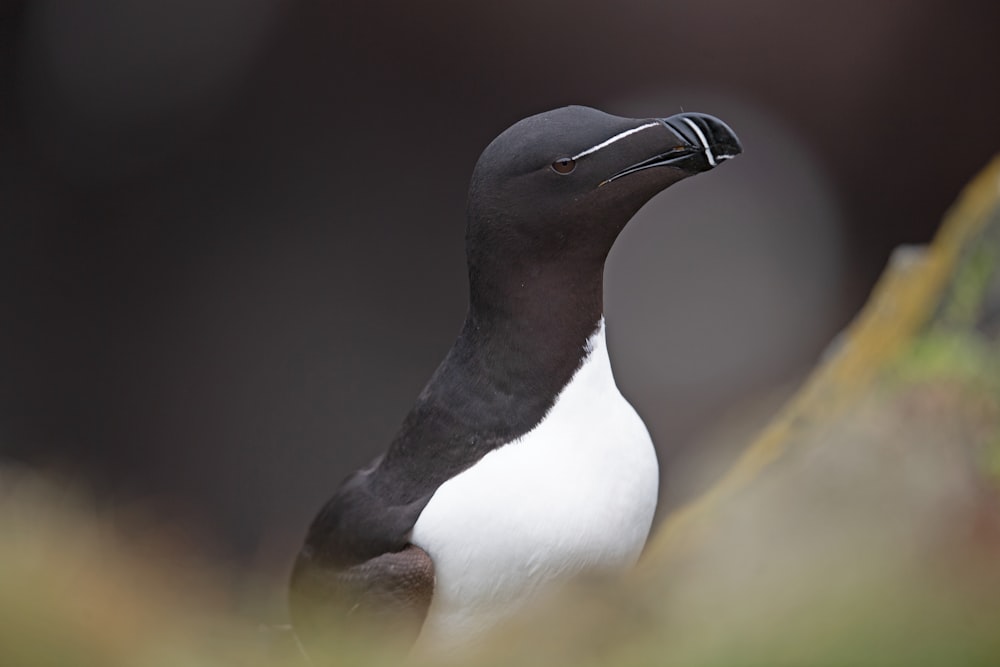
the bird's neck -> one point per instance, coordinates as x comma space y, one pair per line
510, 362
519, 348
539, 316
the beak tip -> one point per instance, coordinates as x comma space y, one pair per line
707, 133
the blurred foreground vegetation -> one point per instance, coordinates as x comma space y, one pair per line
861, 528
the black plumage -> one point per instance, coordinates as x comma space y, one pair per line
547, 199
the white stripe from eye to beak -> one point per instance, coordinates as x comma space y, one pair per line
608, 142
702, 139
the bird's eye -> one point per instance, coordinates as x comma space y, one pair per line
564, 165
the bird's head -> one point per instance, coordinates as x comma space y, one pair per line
553, 191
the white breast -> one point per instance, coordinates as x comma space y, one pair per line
576, 493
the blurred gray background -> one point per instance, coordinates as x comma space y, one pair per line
231, 233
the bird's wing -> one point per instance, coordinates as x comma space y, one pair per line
357, 569
391, 592
394, 585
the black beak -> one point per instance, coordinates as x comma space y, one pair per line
702, 142
707, 135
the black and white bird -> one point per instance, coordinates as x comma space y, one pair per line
521, 463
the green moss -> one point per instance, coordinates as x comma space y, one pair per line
968, 366
964, 303
944, 353
991, 458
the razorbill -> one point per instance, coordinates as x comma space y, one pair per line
520, 463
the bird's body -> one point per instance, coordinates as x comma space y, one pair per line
520, 463
576, 493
